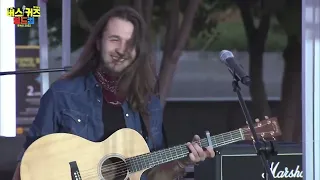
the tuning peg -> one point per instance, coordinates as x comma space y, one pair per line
266, 117
257, 120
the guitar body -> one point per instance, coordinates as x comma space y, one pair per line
64, 156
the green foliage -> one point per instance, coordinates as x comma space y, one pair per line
290, 17
232, 36
210, 31
227, 32
205, 23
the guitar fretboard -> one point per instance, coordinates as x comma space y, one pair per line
155, 158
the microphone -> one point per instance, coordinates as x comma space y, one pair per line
234, 67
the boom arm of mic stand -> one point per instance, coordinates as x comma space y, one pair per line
263, 151
35, 71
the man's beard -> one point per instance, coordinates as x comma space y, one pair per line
115, 64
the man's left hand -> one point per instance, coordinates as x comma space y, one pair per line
198, 153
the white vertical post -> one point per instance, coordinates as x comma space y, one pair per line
66, 32
311, 88
316, 127
44, 45
7, 63
316, 59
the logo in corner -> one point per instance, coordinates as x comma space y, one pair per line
24, 16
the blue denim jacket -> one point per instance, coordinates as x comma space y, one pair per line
75, 106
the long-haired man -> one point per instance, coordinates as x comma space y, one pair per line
111, 86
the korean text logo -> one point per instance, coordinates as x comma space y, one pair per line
24, 16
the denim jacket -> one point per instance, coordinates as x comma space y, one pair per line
75, 106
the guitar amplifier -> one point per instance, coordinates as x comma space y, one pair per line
241, 162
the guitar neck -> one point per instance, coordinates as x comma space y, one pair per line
159, 157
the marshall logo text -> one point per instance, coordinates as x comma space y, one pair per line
285, 173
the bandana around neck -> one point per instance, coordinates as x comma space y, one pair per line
109, 86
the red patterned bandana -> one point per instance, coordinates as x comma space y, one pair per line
109, 86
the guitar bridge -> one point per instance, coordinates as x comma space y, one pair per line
75, 173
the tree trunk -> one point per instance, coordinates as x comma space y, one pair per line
290, 114
175, 42
256, 38
260, 104
137, 5
147, 11
291, 107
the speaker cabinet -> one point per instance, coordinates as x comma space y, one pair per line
241, 162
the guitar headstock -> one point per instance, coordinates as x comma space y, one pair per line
266, 129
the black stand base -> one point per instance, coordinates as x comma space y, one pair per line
264, 149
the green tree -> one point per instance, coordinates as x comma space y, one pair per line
204, 32
289, 16
257, 35
288, 13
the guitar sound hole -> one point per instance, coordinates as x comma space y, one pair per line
114, 168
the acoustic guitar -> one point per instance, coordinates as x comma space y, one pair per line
124, 155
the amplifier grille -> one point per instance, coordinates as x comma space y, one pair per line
249, 167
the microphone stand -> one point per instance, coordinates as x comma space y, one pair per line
35, 71
264, 149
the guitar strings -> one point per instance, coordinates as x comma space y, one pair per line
111, 174
123, 170
91, 173
201, 141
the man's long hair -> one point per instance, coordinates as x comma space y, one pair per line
137, 81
